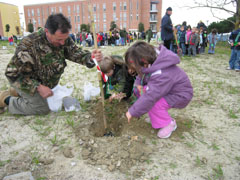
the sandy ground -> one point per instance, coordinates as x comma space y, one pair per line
60, 146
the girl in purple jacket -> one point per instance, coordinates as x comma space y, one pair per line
159, 86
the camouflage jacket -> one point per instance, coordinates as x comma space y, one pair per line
36, 61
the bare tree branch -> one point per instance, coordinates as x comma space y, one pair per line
221, 18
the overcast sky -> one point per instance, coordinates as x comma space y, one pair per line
180, 14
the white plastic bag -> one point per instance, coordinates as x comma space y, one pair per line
90, 91
55, 101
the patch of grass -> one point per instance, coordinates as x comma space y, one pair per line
232, 114
70, 122
149, 161
173, 165
54, 140
190, 145
234, 90
208, 101
42, 178
237, 158
155, 178
218, 172
214, 146
154, 142
3, 163
10, 141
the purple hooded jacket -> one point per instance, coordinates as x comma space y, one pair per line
164, 79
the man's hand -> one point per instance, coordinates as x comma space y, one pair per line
97, 54
44, 91
129, 116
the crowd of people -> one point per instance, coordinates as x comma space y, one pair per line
190, 40
115, 37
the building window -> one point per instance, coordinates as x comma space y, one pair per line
131, 17
114, 6
75, 19
104, 17
137, 17
52, 10
124, 16
114, 16
69, 10
39, 21
98, 7
130, 5
104, 7
94, 8
124, 6
95, 17
124, 25
78, 9
38, 12
78, 18
104, 27
137, 4
120, 6
60, 9
153, 7
120, 16
79, 28
29, 14
153, 17
69, 18
32, 12
153, 27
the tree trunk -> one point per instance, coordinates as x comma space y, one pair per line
237, 15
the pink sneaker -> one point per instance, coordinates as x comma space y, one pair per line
167, 131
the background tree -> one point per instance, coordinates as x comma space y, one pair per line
30, 27
113, 25
17, 30
140, 27
224, 26
85, 27
7, 28
223, 6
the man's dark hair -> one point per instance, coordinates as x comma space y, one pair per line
58, 22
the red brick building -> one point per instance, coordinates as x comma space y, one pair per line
126, 13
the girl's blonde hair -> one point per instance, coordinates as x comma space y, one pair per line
109, 62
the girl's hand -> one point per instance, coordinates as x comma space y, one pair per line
129, 116
139, 88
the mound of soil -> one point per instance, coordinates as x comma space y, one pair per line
125, 148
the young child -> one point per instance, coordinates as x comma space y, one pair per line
188, 33
212, 39
181, 40
192, 42
160, 85
234, 62
118, 77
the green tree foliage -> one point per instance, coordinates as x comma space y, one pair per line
224, 26
7, 28
113, 25
30, 27
140, 27
85, 27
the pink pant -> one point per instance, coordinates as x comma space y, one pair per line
159, 113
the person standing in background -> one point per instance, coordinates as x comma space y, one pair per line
167, 28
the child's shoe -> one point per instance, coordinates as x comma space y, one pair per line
147, 119
167, 131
